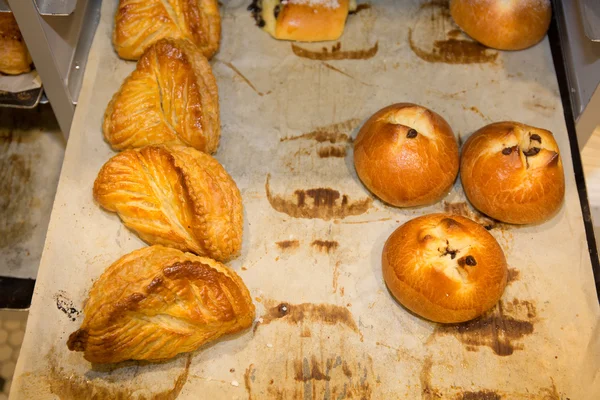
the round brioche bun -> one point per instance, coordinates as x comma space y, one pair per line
406, 155
445, 268
503, 24
513, 172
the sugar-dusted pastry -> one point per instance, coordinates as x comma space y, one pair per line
155, 303
171, 97
513, 172
174, 196
302, 20
139, 24
14, 57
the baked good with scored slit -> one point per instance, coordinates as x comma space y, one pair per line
157, 302
445, 268
406, 155
503, 24
170, 98
14, 57
302, 20
513, 172
174, 196
141, 23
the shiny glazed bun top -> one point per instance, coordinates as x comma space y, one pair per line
513, 172
503, 24
445, 268
406, 155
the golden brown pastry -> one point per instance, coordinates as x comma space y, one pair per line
174, 196
139, 24
406, 155
513, 172
155, 303
14, 57
171, 97
302, 20
503, 24
445, 268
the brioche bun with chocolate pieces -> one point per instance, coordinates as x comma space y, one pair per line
503, 24
406, 155
445, 268
303, 20
513, 172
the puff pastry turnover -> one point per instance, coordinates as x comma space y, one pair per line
155, 303
171, 97
14, 57
174, 196
140, 23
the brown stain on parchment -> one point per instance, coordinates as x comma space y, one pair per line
332, 133
443, 45
287, 245
462, 209
16, 192
336, 53
325, 246
495, 329
331, 67
331, 151
70, 386
361, 7
480, 395
246, 80
513, 275
296, 314
476, 111
321, 203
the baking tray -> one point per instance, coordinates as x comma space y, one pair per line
313, 235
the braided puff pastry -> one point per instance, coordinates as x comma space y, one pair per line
171, 97
14, 57
174, 196
302, 20
140, 23
155, 303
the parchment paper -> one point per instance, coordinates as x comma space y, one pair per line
20, 83
313, 235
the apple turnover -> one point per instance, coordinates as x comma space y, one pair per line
170, 98
155, 303
141, 23
175, 196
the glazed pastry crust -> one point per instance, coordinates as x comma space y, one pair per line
155, 303
171, 97
524, 186
14, 57
174, 196
141, 23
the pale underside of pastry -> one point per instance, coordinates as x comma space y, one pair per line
174, 196
155, 303
141, 23
170, 98
14, 57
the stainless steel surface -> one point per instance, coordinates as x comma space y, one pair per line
48, 7
590, 13
37, 34
27, 99
582, 62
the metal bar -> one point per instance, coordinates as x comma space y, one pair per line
33, 28
48, 7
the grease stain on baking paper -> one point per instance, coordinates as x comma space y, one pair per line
338, 133
67, 385
64, 304
297, 314
325, 246
288, 245
499, 329
336, 53
436, 38
431, 392
360, 7
314, 377
462, 209
513, 275
243, 77
321, 203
